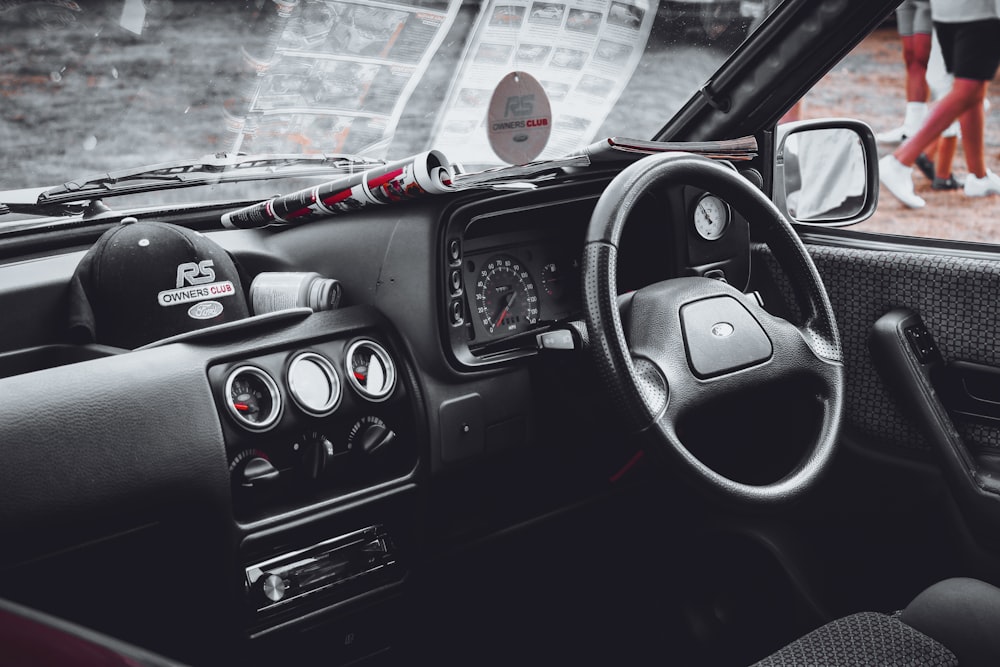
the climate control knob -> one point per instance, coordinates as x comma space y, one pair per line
251, 469
317, 454
370, 435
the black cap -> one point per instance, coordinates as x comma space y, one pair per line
143, 281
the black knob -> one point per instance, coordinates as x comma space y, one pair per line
317, 456
375, 437
258, 472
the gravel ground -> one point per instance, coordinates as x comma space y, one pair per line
869, 85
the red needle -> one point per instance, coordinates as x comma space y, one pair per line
359, 376
503, 313
242, 407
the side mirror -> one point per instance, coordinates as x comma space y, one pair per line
826, 171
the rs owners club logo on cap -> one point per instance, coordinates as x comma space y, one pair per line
195, 283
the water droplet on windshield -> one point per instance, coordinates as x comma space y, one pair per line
90, 143
114, 72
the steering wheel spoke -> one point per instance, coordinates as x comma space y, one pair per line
678, 345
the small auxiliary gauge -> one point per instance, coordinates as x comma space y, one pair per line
711, 217
252, 398
314, 384
371, 370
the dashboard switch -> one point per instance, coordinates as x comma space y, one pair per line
922, 343
560, 339
456, 313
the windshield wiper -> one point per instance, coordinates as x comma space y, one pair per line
211, 169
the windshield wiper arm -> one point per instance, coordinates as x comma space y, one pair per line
218, 168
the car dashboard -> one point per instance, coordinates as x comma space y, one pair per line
277, 488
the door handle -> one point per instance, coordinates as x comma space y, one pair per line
971, 389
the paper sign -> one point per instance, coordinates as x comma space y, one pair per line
519, 120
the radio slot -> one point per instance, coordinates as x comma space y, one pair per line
323, 574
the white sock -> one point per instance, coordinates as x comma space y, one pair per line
916, 112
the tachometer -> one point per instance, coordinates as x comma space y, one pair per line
506, 301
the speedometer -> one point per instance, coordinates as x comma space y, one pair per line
506, 301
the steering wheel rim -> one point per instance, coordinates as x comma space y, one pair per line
649, 361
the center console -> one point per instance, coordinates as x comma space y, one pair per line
322, 436
313, 421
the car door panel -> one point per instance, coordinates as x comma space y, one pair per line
889, 520
958, 297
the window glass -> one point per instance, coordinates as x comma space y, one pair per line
870, 85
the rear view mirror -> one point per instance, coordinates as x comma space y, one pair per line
826, 171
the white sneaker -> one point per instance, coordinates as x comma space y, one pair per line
894, 136
980, 187
898, 179
916, 113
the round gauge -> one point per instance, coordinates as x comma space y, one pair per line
555, 278
314, 384
711, 217
253, 398
370, 370
505, 296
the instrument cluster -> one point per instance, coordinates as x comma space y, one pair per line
512, 271
514, 289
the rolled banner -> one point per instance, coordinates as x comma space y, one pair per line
294, 208
425, 173
250, 217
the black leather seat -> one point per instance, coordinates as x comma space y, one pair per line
954, 622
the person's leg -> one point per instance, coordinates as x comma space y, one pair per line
914, 25
971, 51
944, 159
973, 123
976, 58
925, 161
916, 54
951, 106
895, 169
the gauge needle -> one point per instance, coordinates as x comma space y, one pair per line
503, 313
242, 407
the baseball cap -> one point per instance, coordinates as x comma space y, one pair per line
143, 281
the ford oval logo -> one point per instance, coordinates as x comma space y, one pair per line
205, 310
520, 137
722, 330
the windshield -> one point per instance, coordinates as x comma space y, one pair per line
93, 87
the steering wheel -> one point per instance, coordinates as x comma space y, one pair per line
671, 346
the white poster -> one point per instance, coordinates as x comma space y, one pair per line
582, 51
333, 76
